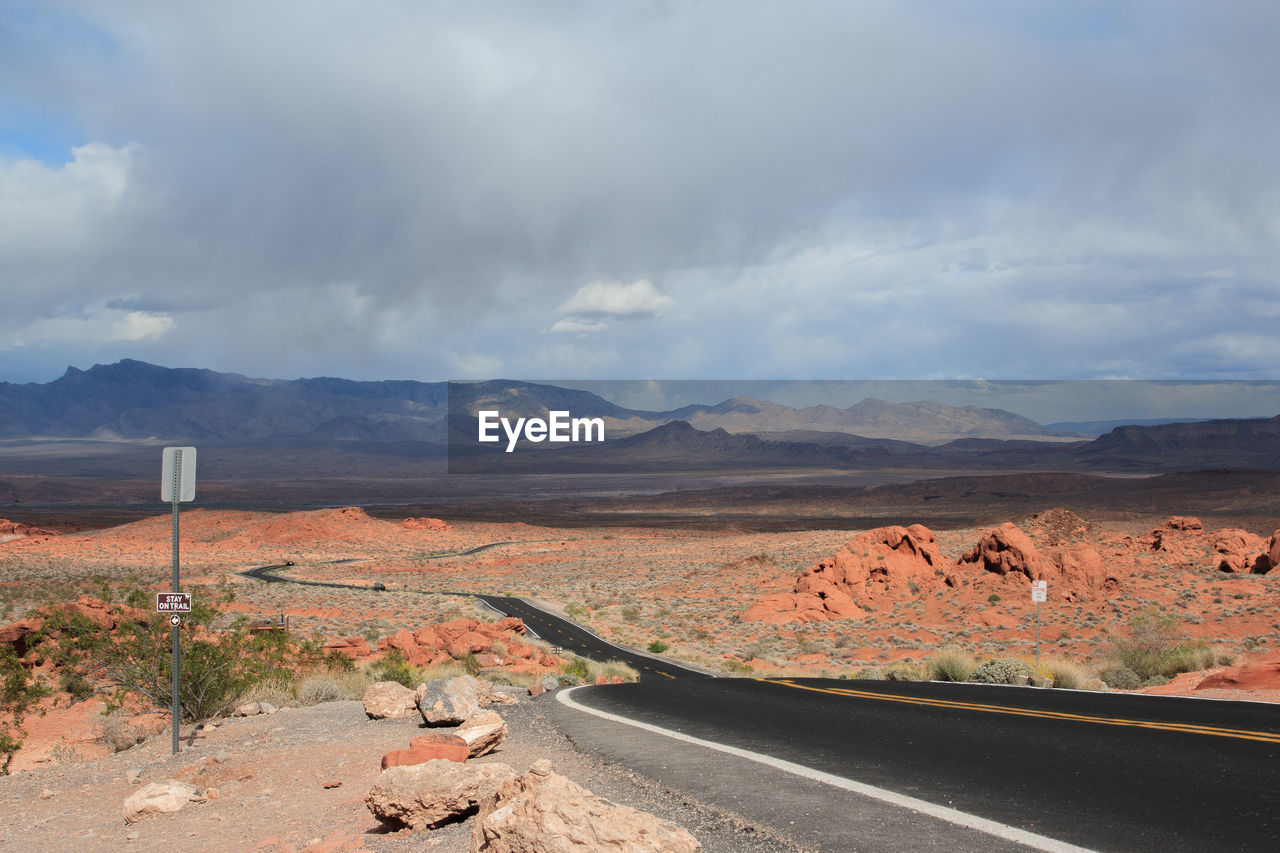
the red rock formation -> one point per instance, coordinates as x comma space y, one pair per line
1238, 550
872, 569
1261, 674
16, 529
424, 523
1007, 550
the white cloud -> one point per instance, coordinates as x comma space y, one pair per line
98, 326
576, 326
614, 298
66, 208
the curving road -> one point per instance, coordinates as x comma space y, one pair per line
560, 632
1104, 771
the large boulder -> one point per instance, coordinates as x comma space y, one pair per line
483, 731
159, 798
389, 700
421, 796
449, 701
1270, 560
428, 747
1006, 550
1237, 550
873, 570
542, 812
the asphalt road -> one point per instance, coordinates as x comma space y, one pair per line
562, 633
1101, 770
1107, 771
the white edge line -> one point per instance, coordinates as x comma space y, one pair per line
944, 813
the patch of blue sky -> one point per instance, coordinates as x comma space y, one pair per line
36, 134
38, 46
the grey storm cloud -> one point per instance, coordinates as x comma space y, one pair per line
825, 189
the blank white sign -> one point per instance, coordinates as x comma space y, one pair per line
187, 488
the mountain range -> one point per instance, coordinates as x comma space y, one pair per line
411, 420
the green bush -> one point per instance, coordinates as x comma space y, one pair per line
736, 667
658, 647
951, 665
576, 668
19, 691
1120, 677
1157, 646
393, 667
999, 671
903, 671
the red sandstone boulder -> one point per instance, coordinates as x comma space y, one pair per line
1184, 522
1005, 551
1270, 560
428, 747
1238, 550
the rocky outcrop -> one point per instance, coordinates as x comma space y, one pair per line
449, 701
18, 530
1270, 560
1006, 551
872, 570
433, 524
422, 796
159, 798
1261, 674
1237, 550
543, 812
483, 732
429, 747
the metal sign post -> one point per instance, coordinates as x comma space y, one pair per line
177, 483
1039, 593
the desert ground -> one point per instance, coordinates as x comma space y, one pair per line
710, 595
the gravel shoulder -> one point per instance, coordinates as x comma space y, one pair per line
296, 780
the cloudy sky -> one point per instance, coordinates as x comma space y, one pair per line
681, 189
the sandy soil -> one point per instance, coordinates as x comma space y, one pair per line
295, 781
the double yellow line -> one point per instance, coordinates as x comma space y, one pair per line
1240, 734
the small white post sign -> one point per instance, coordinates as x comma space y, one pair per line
177, 484
1039, 593
178, 467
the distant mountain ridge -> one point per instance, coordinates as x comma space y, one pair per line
133, 399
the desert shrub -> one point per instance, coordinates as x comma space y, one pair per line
216, 667
436, 672
393, 667
1154, 681
336, 661
278, 691
119, 732
1120, 677
658, 647
577, 669
951, 665
19, 691
868, 673
1067, 674
583, 671
904, 671
736, 667
999, 671
993, 598
1156, 645
315, 689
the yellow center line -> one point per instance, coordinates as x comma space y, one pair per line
1241, 734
